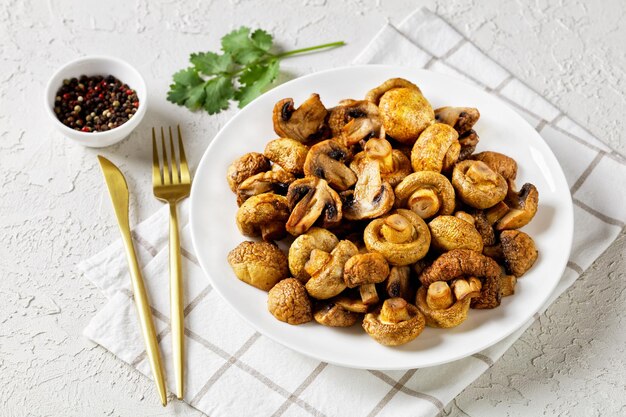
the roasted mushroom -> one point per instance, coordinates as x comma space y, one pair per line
326, 160
244, 167
263, 215
333, 315
288, 153
265, 182
365, 268
500, 163
375, 94
311, 200
260, 264
395, 323
301, 248
352, 121
518, 250
371, 197
436, 149
326, 270
394, 165
405, 113
369, 294
466, 216
401, 237
507, 285
523, 208
461, 262
441, 307
351, 304
288, 302
302, 124
477, 184
462, 119
450, 232
426, 193
399, 282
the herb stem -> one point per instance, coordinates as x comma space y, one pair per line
311, 48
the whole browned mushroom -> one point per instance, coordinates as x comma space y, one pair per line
326, 160
372, 197
477, 184
301, 248
302, 124
395, 323
375, 94
263, 215
288, 302
365, 268
426, 193
312, 201
288, 153
450, 232
462, 262
405, 113
260, 264
500, 163
244, 167
326, 270
401, 237
441, 307
523, 208
518, 250
436, 149
394, 165
265, 182
354, 120
333, 315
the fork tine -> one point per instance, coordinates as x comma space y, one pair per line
184, 168
157, 179
167, 172
174, 162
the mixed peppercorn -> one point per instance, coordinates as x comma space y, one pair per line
95, 104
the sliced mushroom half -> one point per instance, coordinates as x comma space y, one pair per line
523, 208
302, 124
265, 182
327, 160
372, 197
352, 121
394, 165
312, 200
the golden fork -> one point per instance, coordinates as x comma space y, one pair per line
171, 183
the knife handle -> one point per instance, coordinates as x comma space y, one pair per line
145, 317
176, 304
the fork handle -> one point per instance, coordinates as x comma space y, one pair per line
176, 304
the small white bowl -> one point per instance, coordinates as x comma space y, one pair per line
98, 65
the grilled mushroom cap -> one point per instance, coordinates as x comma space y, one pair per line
244, 167
523, 208
500, 163
311, 200
265, 182
405, 113
401, 237
352, 121
375, 94
301, 248
327, 270
326, 160
301, 124
263, 215
426, 193
460, 262
518, 250
394, 165
477, 185
333, 315
371, 197
288, 153
462, 119
260, 264
288, 302
430, 152
395, 323
365, 268
450, 232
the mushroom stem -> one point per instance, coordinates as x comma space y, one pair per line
397, 229
462, 289
272, 231
507, 285
496, 212
439, 296
475, 284
317, 261
368, 293
380, 150
424, 202
394, 310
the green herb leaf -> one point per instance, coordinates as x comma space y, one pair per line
255, 79
218, 91
246, 48
210, 63
187, 90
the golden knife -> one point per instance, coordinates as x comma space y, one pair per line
118, 190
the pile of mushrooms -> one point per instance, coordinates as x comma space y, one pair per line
393, 221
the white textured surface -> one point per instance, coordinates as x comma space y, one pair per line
53, 214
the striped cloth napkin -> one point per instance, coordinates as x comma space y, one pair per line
236, 371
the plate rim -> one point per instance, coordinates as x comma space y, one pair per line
559, 171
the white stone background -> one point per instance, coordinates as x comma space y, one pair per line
54, 213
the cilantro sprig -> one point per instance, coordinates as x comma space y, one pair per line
243, 71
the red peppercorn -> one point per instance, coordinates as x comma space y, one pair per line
85, 129
136, 104
66, 96
129, 92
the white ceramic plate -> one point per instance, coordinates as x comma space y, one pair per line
500, 129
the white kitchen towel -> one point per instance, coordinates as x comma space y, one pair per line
235, 371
